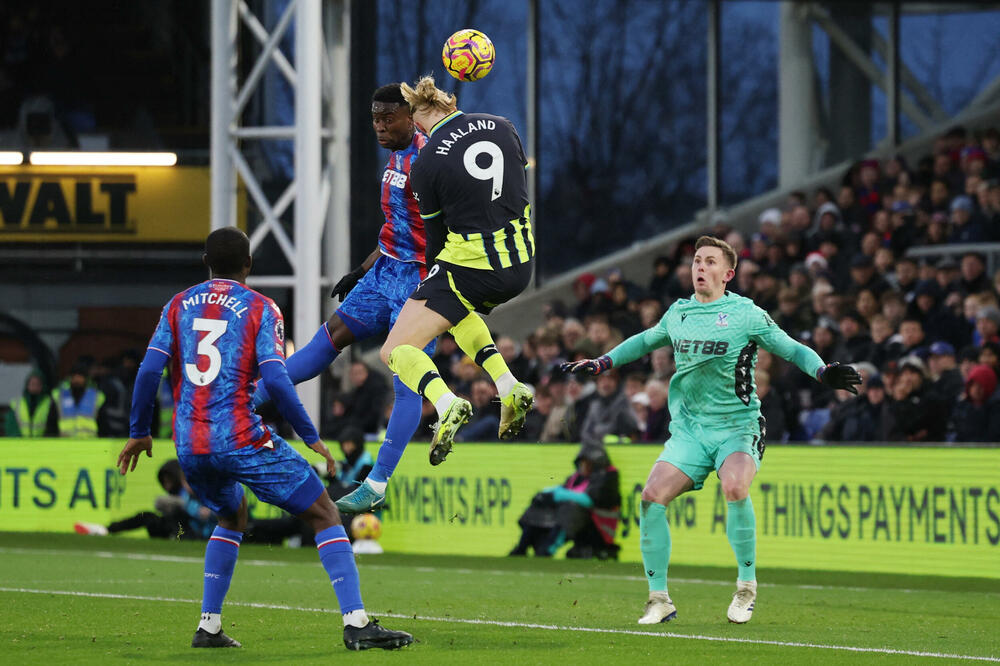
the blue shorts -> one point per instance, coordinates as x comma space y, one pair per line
278, 476
374, 304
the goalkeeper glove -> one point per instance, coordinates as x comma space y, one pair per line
346, 283
839, 376
590, 366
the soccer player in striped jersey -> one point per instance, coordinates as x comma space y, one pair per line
375, 291
473, 195
217, 336
715, 415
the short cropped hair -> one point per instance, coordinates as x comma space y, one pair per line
727, 249
427, 96
226, 250
390, 94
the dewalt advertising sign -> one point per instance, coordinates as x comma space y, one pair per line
104, 204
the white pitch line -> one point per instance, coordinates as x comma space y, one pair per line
466, 571
523, 625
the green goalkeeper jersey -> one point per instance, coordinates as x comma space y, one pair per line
715, 351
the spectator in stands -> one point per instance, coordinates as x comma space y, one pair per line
550, 353
864, 276
973, 278
582, 291
905, 277
682, 284
658, 284
825, 342
555, 428
33, 414
911, 338
864, 418
938, 321
867, 191
987, 325
363, 406
857, 342
989, 354
793, 314
520, 365
946, 379
918, 414
609, 417
965, 227
485, 416
445, 355
571, 335
536, 419
976, 417
772, 408
584, 510
657, 426
79, 403
882, 340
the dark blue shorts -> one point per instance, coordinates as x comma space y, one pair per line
374, 304
278, 476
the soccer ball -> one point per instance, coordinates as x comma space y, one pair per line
468, 55
366, 526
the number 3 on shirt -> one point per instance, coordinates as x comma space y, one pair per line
493, 172
206, 347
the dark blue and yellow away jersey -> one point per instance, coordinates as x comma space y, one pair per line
470, 179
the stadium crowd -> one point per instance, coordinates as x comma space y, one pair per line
832, 269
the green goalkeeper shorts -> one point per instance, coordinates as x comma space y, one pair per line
696, 450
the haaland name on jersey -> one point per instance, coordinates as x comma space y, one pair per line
215, 298
460, 133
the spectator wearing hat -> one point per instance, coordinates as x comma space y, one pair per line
78, 401
939, 322
966, 228
987, 326
770, 223
918, 414
976, 417
661, 278
947, 274
864, 276
865, 418
973, 161
942, 368
855, 338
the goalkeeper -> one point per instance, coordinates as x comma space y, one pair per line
716, 422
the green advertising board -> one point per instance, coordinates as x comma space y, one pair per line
880, 509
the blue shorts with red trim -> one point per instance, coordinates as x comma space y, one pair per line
374, 304
278, 476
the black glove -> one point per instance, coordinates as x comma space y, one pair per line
839, 376
589, 366
346, 283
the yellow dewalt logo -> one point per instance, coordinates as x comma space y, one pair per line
81, 203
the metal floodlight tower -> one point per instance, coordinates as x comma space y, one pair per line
320, 186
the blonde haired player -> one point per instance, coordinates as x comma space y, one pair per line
716, 422
473, 197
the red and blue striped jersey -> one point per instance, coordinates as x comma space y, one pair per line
216, 335
402, 236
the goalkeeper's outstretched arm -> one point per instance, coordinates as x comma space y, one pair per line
635, 347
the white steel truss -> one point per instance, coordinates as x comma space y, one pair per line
319, 246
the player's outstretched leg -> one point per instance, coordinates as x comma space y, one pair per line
337, 557
741, 529
220, 560
417, 371
654, 543
473, 336
402, 424
306, 363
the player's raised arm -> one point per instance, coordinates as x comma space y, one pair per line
629, 350
769, 335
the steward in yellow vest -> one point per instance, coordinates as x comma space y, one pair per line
78, 401
32, 415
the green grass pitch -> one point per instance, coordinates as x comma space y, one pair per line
68, 599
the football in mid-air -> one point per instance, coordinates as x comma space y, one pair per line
468, 55
366, 526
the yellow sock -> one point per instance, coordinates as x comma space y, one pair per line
417, 371
473, 337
